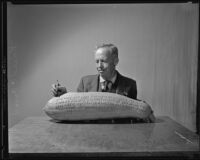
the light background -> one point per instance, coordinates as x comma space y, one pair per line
158, 47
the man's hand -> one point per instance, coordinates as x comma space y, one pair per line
58, 90
150, 119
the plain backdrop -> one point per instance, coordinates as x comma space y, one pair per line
158, 47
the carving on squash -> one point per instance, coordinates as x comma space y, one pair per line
95, 105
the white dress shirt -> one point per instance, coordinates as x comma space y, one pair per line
102, 80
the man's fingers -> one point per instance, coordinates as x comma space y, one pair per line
58, 87
152, 118
54, 92
147, 120
54, 86
58, 90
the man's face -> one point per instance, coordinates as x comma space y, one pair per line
105, 63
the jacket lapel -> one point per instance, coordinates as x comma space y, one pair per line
95, 84
121, 89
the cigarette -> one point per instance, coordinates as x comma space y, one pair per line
58, 83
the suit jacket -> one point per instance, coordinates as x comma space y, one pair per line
123, 85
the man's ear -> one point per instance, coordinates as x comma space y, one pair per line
116, 61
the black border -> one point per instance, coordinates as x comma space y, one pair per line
198, 83
4, 93
110, 155
4, 154
97, 1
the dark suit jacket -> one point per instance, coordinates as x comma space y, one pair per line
123, 85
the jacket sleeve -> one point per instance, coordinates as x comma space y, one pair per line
80, 86
134, 90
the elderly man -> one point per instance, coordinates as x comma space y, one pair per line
108, 78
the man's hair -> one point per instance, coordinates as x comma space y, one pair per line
113, 49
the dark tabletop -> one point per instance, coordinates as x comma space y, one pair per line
44, 135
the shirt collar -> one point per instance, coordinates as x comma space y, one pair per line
112, 79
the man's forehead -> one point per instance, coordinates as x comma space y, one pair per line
103, 51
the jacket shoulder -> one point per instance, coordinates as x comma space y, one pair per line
127, 79
89, 77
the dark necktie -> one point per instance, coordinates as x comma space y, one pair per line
107, 85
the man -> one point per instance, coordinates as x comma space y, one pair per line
108, 78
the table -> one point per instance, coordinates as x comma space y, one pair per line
45, 135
